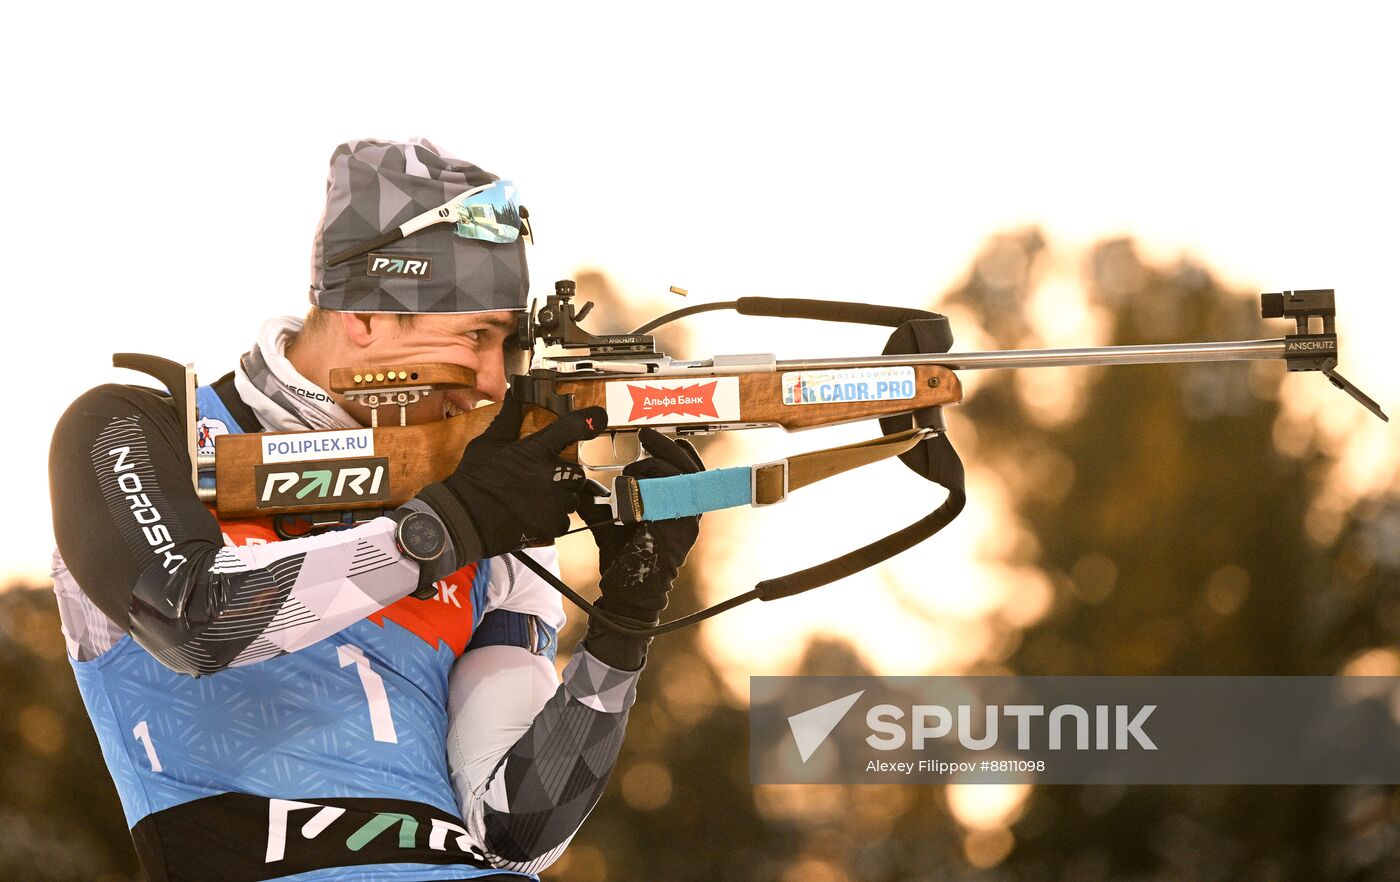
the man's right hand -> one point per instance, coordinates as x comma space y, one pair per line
509, 492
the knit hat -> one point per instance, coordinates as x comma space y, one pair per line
375, 186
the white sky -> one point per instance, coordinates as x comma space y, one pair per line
166, 168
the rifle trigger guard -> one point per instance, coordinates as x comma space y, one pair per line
613, 466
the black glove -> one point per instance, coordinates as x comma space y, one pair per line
509, 492
638, 562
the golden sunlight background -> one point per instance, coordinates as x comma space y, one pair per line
170, 171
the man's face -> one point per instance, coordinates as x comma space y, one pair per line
479, 341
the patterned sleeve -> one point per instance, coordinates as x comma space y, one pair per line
529, 764
150, 558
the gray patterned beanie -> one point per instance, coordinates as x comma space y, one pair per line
373, 187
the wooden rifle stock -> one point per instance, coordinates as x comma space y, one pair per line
404, 459
761, 399
416, 456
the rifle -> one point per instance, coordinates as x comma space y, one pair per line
331, 479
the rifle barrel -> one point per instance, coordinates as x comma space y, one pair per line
1154, 353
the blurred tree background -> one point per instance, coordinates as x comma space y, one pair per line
58, 806
1184, 520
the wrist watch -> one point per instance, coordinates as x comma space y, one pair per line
420, 536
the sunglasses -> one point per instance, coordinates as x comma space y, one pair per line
488, 213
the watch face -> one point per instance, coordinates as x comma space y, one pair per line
422, 536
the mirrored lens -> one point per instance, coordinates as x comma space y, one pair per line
491, 215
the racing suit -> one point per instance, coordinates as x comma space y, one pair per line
334, 727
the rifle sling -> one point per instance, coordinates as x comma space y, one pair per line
940, 464
659, 499
946, 469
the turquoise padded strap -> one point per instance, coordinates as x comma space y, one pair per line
687, 495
